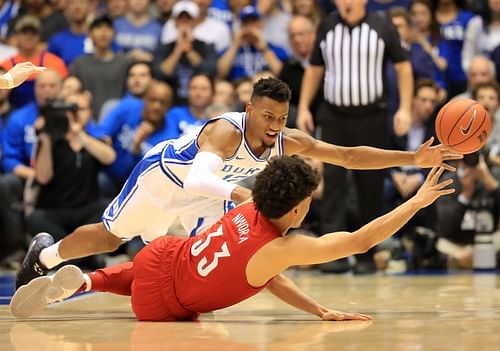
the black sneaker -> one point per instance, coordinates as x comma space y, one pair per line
31, 267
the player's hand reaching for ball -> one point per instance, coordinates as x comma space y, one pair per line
431, 190
428, 156
332, 315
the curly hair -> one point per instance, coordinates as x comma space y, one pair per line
282, 185
272, 88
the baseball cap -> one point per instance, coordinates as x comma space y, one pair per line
188, 7
249, 12
27, 22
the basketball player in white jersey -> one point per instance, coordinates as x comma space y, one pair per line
195, 176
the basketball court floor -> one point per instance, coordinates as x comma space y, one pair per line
411, 312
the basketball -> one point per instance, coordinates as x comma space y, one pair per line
463, 125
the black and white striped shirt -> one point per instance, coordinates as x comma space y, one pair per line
354, 57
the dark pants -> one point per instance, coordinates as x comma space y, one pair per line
11, 214
352, 129
61, 221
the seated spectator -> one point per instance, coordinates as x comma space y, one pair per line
71, 85
66, 164
481, 70
176, 62
135, 127
137, 32
116, 8
207, 29
103, 73
488, 95
473, 209
139, 75
243, 88
194, 114
224, 94
27, 32
162, 10
73, 42
249, 51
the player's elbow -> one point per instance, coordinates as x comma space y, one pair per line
192, 185
360, 243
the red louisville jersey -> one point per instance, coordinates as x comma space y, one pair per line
211, 268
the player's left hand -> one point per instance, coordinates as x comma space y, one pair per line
21, 71
332, 315
428, 156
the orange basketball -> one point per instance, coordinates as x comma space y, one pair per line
463, 125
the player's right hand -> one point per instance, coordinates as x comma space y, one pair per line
21, 71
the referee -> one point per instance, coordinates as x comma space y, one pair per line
348, 57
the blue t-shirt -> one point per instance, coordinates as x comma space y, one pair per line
453, 33
7, 12
220, 10
250, 61
145, 37
181, 117
120, 125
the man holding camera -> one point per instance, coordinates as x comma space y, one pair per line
472, 210
66, 164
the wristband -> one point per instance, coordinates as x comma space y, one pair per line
10, 80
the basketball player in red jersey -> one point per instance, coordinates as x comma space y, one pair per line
244, 252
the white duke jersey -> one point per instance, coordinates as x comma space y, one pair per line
177, 155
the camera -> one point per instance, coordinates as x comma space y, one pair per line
471, 160
56, 120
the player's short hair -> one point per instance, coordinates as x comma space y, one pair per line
272, 88
282, 185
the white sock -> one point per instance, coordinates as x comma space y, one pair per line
49, 256
88, 282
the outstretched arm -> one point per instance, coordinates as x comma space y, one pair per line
18, 74
286, 290
366, 157
305, 250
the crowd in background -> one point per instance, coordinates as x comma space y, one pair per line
132, 73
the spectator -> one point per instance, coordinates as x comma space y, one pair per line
472, 209
103, 73
73, 42
20, 133
482, 35
200, 96
134, 130
403, 182
176, 62
425, 36
453, 22
207, 29
225, 94
302, 36
275, 16
66, 165
11, 224
117, 8
8, 11
162, 10
354, 112
480, 70
28, 39
139, 75
71, 85
243, 88
310, 9
137, 33
250, 52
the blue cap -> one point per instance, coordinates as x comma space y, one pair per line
249, 12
